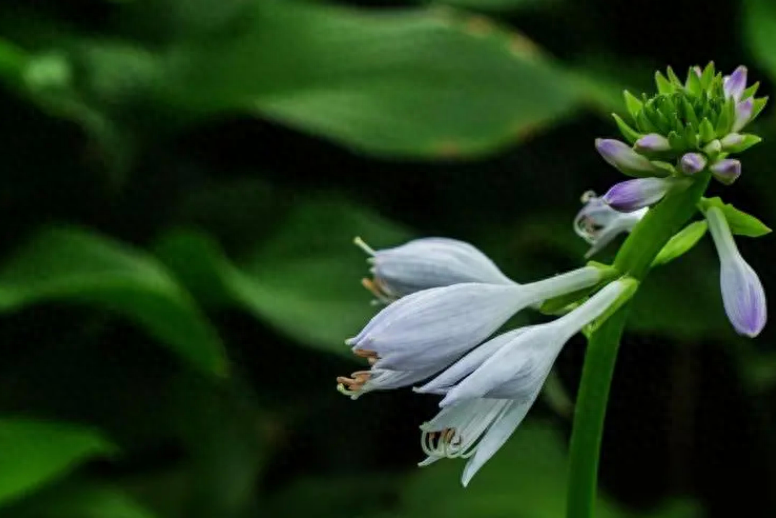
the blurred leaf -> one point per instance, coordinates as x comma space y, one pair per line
498, 5
37, 452
303, 280
70, 264
12, 61
423, 83
80, 500
760, 31
525, 478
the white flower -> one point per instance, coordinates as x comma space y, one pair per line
598, 223
742, 292
427, 263
422, 333
506, 373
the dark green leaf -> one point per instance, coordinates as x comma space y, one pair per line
73, 265
35, 453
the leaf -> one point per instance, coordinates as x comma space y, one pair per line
73, 265
681, 243
83, 500
740, 222
420, 83
525, 478
499, 5
35, 453
304, 280
760, 31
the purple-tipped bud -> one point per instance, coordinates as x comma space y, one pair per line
632, 195
621, 156
652, 143
742, 292
731, 140
735, 84
692, 163
743, 114
727, 170
698, 70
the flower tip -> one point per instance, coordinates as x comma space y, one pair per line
692, 163
727, 170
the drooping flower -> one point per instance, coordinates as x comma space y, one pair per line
424, 332
598, 223
742, 292
624, 158
489, 391
632, 195
427, 263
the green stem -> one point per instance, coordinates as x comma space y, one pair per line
634, 259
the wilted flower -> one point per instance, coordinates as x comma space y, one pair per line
742, 292
598, 223
489, 391
427, 263
632, 195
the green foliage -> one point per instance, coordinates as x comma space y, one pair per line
84, 500
740, 222
681, 243
73, 265
37, 452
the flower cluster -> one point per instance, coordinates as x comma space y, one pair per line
687, 128
445, 301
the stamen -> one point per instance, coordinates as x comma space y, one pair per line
587, 196
375, 289
365, 353
363, 246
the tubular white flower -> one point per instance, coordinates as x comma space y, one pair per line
427, 263
498, 383
432, 327
742, 292
598, 223
361, 382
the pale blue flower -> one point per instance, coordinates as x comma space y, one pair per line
726, 170
427, 263
692, 163
742, 292
624, 158
632, 195
735, 84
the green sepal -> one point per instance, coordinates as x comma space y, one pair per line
708, 75
693, 83
706, 130
690, 136
676, 141
751, 91
749, 141
713, 149
681, 243
741, 223
689, 112
631, 286
674, 79
727, 116
630, 134
757, 107
643, 123
632, 103
664, 169
664, 86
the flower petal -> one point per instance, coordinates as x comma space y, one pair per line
632, 195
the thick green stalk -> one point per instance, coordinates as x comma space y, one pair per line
634, 259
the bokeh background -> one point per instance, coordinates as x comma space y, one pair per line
180, 183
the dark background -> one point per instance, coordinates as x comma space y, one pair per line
180, 183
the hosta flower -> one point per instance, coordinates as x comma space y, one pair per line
598, 223
488, 392
632, 195
742, 292
726, 170
735, 84
692, 163
424, 332
427, 263
621, 156
652, 143
744, 111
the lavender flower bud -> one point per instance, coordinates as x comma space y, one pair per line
632, 195
735, 84
743, 114
742, 292
726, 170
621, 156
692, 163
652, 143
